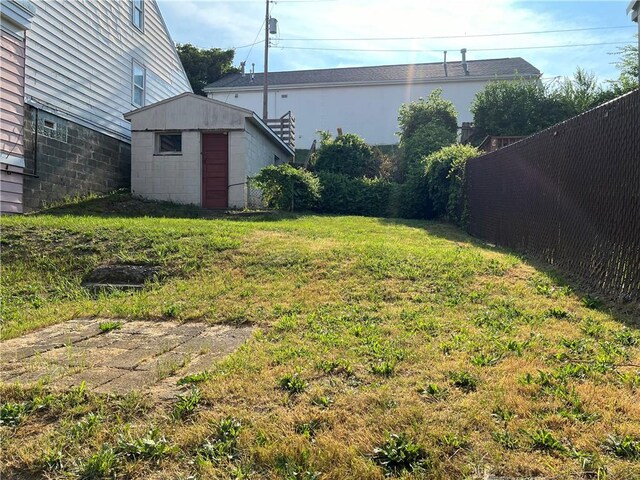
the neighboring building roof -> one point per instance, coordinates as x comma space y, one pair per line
248, 114
409, 73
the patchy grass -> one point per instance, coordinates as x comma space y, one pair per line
382, 348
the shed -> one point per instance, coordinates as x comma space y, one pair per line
195, 150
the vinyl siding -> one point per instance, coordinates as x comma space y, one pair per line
12, 94
79, 61
11, 189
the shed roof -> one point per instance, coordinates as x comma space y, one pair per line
407, 73
207, 104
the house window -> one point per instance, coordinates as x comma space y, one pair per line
169, 143
138, 77
138, 14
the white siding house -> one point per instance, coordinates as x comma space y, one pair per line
194, 150
87, 62
364, 100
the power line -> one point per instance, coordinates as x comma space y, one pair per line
456, 36
452, 49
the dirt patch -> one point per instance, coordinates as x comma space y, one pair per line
140, 355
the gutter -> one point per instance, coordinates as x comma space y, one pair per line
297, 86
271, 133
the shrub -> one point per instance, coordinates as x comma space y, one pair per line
347, 154
354, 196
426, 139
285, 187
445, 181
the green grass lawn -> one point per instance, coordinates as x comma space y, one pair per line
382, 347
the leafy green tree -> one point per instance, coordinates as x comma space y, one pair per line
414, 115
628, 65
204, 66
581, 92
347, 154
515, 107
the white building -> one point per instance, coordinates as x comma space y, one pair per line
194, 150
364, 100
86, 64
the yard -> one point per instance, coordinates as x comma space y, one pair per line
380, 347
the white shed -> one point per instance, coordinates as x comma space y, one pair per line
196, 150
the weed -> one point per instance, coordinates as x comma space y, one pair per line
335, 367
12, 414
505, 439
592, 327
187, 403
223, 445
322, 401
433, 392
309, 429
292, 383
485, 360
464, 380
502, 414
52, 459
400, 453
195, 378
591, 464
108, 326
591, 302
151, 446
103, 464
630, 379
623, 446
626, 337
555, 312
544, 440
382, 368
452, 441
85, 426
516, 346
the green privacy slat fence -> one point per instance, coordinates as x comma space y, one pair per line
569, 195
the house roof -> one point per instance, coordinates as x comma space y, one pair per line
248, 114
408, 73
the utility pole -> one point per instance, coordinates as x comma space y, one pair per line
265, 89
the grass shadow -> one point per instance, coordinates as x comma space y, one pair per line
626, 312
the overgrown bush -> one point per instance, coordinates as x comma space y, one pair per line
285, 187
413, 115
426, 139
445, 181
354, 196
347, 154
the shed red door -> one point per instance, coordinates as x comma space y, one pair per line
215, 170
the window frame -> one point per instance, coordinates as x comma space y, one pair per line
135, 64
135, 9
158, 143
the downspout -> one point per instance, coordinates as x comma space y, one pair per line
35, 147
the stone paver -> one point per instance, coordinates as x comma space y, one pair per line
141, 355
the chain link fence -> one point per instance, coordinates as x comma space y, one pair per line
254, 196
569, 195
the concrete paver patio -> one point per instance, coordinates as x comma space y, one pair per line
139, 355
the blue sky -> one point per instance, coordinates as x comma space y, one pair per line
332, 33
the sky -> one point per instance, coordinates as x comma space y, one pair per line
346, 33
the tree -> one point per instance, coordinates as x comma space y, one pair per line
515, 107
413, 115
628, 65
204, 66
581, 92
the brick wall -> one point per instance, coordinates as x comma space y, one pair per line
71, 160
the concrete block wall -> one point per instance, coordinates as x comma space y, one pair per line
71, 160
175, 178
